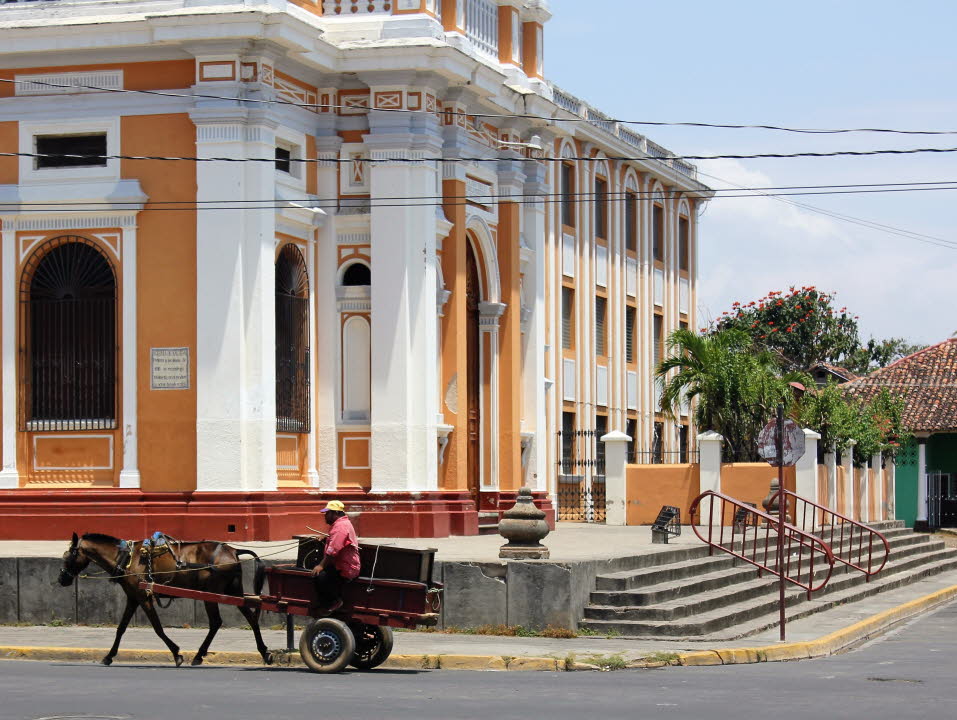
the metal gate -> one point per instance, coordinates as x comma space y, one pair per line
581, 481
941, 500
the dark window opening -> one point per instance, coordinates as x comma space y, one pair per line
568, 195
658, 232
601, 305
659, 339
568, 443
630, 314
357, 274
91, 150
568, 307
631, 430
683, 444
657, 444
283, 156
68, 340
631, 222
292, 342
601, 208
601, 429
683, 244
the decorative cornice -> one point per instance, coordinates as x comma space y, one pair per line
489, 315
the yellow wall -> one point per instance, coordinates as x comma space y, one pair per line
166, 291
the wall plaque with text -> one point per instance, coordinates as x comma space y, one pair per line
169, 368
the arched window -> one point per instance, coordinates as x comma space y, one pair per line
357, 274
292, 341
68, 337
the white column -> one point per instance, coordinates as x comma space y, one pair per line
878, 486
864, 491
404, 363
806, 469
922, 480
9, 476
709, 453
849, 480
533, 362
830, 460
616, 491
312, 475
235, 324
130, 474
490, 314
891, 489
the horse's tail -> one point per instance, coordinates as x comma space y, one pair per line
260, 577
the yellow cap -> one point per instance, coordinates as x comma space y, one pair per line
335, 505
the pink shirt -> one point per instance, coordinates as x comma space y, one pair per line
343, 547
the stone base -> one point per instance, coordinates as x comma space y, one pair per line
659, 537
528, 552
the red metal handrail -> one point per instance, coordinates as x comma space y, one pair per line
761, 552
836, 529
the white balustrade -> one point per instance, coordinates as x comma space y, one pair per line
481, 26
347, 8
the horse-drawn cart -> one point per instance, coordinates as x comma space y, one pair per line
394, 589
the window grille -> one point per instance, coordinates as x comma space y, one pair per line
68, 352
292, 341
568, 307
568, 443
657, 232
630, 334
659, 339
601, 305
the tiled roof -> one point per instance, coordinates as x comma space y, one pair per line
928, 382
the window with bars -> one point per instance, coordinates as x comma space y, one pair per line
601, 308
568, 195
601, 429
292, 341
568, 442
684, 248
68, 337
659, 339
630, 315
631, 430
631, 222
568, 310
601, 208
658, 232
683, 444
657, 444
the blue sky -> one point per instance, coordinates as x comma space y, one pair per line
810, 64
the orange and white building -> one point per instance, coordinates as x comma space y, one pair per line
257, 255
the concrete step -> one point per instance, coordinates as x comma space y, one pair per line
754, 612
488, 523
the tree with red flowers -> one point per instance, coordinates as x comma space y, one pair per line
801, 327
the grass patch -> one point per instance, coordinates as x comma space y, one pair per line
608, 662
663, 657
588, 632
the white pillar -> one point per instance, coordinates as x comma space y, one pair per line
312, 475
9, 476
891, 470
849, 480
830, 461
806, 469
877, 488
709, 454
130, 473
864, 491
235, 324
616, 491
922, 480
404, 364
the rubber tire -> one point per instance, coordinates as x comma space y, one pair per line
336, 630
380, 654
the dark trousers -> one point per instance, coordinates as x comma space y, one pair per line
329, 586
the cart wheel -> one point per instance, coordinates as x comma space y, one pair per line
327, 645
373, 646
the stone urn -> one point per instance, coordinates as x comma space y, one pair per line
523, 526
770, 503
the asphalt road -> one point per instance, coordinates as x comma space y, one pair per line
908, 673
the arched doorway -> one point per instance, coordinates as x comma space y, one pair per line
292, 341
473, 351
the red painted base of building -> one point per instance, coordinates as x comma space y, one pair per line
240, 516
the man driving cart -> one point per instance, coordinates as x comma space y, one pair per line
340, 562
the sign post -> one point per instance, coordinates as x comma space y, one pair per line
781, 443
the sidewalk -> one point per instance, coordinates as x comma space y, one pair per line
821, 634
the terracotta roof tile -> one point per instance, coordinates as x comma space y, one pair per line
928, 382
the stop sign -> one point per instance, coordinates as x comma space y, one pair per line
793, 444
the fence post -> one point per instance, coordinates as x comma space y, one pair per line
878, 486
830, 460
616, 457
805, 483
709, 459
849, 480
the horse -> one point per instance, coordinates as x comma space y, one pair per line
206, 566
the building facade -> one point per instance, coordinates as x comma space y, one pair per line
257, 256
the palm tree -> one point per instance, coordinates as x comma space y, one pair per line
735, 387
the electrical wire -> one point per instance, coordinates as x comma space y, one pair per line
497, 116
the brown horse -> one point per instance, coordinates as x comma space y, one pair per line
207, 566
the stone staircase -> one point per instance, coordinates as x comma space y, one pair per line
693, 595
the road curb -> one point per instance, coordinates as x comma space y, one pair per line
821, 647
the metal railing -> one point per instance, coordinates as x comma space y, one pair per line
853, 544
751, 535
663, 457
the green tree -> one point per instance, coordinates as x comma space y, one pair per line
800, 327
734, 386
879, 353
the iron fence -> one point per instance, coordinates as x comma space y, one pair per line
663, 457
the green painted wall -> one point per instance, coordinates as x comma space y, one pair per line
905, 480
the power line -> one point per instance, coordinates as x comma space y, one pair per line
498, 116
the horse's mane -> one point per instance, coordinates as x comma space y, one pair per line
100, 538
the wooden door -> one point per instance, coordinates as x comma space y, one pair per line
473, 382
